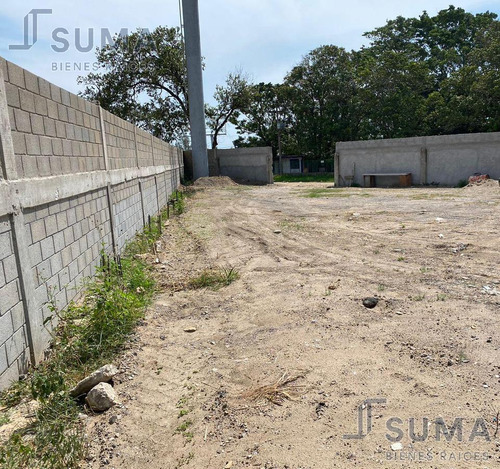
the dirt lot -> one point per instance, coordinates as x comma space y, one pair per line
307, 256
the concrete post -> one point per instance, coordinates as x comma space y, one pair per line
195, 87
112, 222
135, 148
142, 204
103, 137
336, 169
153, 149
158, 206
9, 169
32, 317
423, 166
109, 189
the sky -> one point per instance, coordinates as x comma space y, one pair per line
263, 38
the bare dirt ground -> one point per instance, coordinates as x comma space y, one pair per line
430, 348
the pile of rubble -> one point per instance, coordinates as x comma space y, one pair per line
100, 395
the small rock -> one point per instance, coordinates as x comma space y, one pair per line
102, 375
277, 231
397, 446
113, 419
102, 397
229, 465
190, 329
370, 302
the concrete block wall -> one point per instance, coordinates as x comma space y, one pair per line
74, 179
13, 342
127, 206
444, 159
65, 241
150, 197
54, 132
246, 165
120, 141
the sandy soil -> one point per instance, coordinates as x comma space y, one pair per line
430, 348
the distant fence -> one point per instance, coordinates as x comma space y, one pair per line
74, 178
444, 159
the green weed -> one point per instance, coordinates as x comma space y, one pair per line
4, 419
333, 192
214, 278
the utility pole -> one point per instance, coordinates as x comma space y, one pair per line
280, 161
195, 87
281, 125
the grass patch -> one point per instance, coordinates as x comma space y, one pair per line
289, 224
418, 298
434, 196
4, 419
332, 192
183, 430
214, 278
323, 177
183, 426
90, 334
178, 200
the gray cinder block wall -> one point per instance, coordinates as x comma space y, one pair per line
247, 165
73, 178
444, 159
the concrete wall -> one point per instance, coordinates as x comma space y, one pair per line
443, 160
247, 165
73, 178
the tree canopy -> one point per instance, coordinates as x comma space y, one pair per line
428, 75
143, 79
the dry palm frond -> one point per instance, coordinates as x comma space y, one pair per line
284, 389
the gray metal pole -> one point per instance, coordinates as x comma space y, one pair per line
195, 87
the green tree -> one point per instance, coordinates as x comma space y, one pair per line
322, 100
142, 79
417, 76
485, 89
258, 126
232, 99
